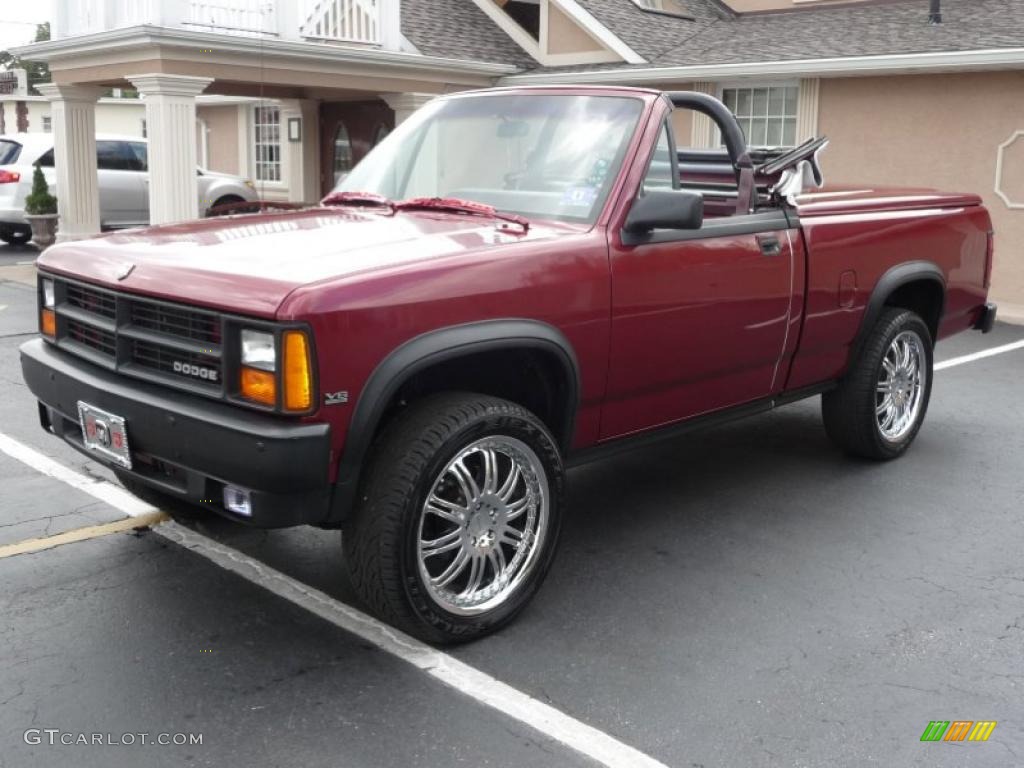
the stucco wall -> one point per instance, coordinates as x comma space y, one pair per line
222, 137
939, 131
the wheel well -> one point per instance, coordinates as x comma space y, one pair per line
228, 198
533, 378
925, 297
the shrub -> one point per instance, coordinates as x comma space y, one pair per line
39, 200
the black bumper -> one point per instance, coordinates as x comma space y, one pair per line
188, 447
986, 318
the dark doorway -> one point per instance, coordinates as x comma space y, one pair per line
348, 130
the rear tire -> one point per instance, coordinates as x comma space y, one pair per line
15, 237
464, 564
878, 408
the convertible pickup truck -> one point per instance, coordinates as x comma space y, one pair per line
513, 282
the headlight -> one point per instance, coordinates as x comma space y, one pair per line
258, 350
258, 381
47, 316
298, 374
288, 385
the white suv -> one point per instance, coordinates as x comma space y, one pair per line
123, 182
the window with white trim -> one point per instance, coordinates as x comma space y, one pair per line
267, 142
767, 114
47, 124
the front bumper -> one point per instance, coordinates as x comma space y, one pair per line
188, 447
986, 318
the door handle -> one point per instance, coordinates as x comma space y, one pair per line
770, 245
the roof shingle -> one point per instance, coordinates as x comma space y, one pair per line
457, 29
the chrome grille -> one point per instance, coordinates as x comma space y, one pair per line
145, 338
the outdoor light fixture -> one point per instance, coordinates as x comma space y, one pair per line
294, 129
237, 500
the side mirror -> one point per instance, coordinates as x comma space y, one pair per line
665, 209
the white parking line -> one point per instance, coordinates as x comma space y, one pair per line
551, 722
979, 355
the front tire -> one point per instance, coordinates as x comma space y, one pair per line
878, 408
458, 520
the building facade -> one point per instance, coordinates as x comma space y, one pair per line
905, 101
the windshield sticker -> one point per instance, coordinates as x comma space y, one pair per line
599, 172
579, 197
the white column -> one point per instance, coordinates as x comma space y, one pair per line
73, 112
301, 158
171, 127
404, 104
807, 109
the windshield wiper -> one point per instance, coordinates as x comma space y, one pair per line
359, 199
456, 205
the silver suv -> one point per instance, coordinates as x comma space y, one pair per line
123, 182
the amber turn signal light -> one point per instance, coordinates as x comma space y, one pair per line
298, 376
258, 386
48, 323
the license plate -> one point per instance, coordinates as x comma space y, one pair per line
105, 434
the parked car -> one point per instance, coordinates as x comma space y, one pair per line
514, 281
123, 182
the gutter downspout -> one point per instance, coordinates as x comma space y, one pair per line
935, 12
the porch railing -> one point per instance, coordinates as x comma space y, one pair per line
366, 22
233, 17
351, 21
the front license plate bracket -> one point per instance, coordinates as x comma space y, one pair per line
105, 434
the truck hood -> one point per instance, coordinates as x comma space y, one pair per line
249, 264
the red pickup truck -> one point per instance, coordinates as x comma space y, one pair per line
514, 281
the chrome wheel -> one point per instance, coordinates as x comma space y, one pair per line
482, 525
902, 380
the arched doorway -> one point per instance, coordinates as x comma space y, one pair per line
342, 152
348, 130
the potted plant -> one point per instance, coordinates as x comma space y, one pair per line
41, 211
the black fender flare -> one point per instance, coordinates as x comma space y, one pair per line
888, 283
431, 348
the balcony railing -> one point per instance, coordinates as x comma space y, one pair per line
362, 22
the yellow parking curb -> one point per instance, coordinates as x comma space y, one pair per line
82, 534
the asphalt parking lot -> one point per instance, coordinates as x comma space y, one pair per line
744, 596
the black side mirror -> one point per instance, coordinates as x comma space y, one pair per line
665, 209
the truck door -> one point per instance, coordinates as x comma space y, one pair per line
701, 319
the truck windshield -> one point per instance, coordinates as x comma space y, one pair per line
546, 156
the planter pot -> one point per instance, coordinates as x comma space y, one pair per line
44, 229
